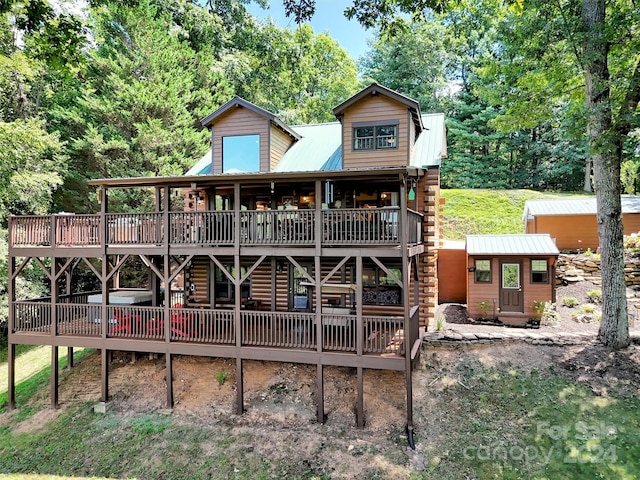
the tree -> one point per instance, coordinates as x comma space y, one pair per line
137, 110
298, 75
606, 145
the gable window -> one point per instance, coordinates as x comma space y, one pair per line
539, 271
379, 288
483, 271
241, 153
375, 137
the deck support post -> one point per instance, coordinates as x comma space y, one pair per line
239, 387
104, 372
320, 393
55, 375
69, 358
169, 379
360, 404
11, 392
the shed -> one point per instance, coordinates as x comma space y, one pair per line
508, 274
572, 221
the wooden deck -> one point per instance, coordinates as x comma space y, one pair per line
343, 227
283, 330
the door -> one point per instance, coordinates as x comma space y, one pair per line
511, 295
298, 295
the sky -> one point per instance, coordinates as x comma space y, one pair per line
329, 18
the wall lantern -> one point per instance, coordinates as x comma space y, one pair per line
471, 269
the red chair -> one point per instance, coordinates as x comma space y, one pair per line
124, 323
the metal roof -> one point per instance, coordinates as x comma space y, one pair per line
431, 145
319, 149
574, 206
521, 244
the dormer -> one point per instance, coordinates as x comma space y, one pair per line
379, 128
246, 138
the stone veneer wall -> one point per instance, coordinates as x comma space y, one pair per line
575, 268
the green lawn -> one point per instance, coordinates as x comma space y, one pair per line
478, 212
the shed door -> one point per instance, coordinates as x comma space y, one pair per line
511, 295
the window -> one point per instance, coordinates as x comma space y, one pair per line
241, 153
379, 288
483, 271
224, 288
539, 271
375, 137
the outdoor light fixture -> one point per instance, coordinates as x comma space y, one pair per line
273, 187
412, 192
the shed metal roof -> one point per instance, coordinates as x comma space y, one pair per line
521, 244
574, 206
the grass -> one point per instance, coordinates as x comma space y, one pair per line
508, 424
492, 422
33, 373
479, 212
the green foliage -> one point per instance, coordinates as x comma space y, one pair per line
632, 243
545, 311
222, 376
570, 301
479, 212
594, 295
486, 308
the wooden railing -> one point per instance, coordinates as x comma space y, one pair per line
287, 330
353, 226
357, 226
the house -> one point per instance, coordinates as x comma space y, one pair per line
313, 244
572, 221
508, 274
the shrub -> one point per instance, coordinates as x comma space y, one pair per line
221, 376
485, 308
594, 295
570, 301
546, 312
587, 308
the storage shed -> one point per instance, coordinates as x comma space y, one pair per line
508, 274
572, 223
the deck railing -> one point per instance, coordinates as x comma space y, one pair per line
286, 330
351, 226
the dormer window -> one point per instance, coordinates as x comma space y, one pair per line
241, 153
375, 137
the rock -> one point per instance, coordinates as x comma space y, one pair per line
585, 318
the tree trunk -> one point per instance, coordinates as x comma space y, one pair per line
614, 328
587, 175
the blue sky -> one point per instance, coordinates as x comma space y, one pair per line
328, 18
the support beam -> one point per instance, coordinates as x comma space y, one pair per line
11, 392
169, 379
55, 376
360, 405
70, 358
320, 393
104, 372
239, 388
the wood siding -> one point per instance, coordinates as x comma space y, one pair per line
240, 121
261, 287
280, 143
428, 203
452, 275
572, 232
375, 109
490, 292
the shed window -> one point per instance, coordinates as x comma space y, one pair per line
483, 271
375, 138
539, 271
